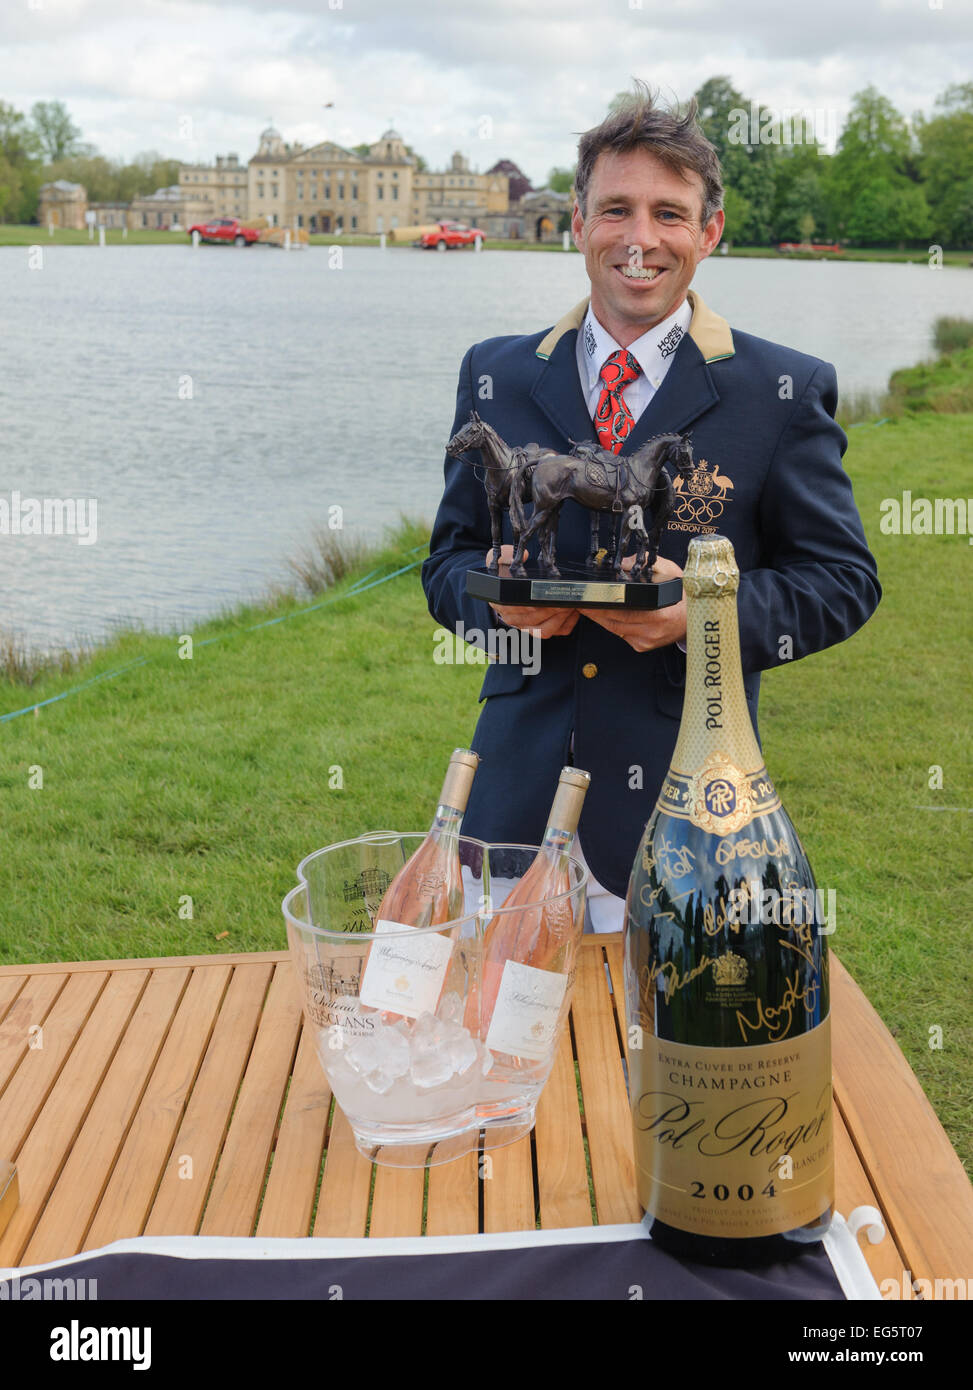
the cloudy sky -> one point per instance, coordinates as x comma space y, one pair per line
495, 78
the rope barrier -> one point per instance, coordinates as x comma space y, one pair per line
360, 586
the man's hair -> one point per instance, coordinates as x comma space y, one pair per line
673, 136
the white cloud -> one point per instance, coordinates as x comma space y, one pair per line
130, 70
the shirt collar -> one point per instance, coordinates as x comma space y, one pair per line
653, 351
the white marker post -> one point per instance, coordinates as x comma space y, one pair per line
381, 240
565, 241
478, 243
195, 238
287, 239
101, 235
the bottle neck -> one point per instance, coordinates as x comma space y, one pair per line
557, 845
715, 717
446, 823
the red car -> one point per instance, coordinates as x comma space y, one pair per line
449, 234
224, 231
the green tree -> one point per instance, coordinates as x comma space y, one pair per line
57, 133
885, 211
875, 146
20, 167
736, 210
946, 143
560, 180
746, 148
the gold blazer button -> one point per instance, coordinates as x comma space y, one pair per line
589, 670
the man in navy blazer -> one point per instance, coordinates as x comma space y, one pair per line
609, 691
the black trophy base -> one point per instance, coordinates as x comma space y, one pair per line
580, 586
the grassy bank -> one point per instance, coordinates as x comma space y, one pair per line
39, 236
210, 778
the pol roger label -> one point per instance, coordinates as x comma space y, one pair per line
405, 974
526, 1012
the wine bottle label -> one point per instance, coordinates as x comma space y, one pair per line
718, 796
525, 1016
404, 974
734, 1142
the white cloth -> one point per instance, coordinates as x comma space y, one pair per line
654, 352
606, 912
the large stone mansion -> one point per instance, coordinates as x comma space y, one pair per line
328, 189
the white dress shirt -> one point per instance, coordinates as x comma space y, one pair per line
653, 352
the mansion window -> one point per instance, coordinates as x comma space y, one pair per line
354, 192
260, 190
327, 193
395, 191
341, 193
354, 224
314, 190
381, 192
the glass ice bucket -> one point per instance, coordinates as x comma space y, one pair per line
432, 1044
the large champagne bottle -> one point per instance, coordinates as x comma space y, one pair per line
539, 937
726, 976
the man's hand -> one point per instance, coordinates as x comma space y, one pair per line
644, 631
546, 622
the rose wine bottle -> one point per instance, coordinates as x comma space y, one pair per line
528, 952
726, 976
428, 889
406, 981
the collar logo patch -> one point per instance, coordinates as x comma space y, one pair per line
700, 499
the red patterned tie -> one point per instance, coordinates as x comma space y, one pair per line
613, 419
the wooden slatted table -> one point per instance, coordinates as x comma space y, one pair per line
180, 1096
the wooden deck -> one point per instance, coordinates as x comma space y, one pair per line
181, 1095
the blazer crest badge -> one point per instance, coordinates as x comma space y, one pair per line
701, 497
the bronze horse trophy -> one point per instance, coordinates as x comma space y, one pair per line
628, 487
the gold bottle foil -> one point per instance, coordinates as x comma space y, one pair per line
717, 778
459, 779
569, 798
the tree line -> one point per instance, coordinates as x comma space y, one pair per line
47, 145
890, 181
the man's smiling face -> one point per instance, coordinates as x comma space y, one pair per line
642, 240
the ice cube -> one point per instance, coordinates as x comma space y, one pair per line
431, 1069
380, 1059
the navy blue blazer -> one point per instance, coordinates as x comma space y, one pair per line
770, 478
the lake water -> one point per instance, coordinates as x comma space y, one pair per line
311, 386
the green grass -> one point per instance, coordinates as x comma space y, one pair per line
13, 235
945, 385
912, 256
209, 777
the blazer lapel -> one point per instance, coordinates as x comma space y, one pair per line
686, 391
557, 392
